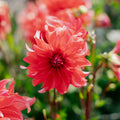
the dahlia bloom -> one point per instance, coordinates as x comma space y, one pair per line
114, 60
85, 18
78, 8
5, 26
58, 62
32, 18
74, 26
12, 103
57, 5
102, 20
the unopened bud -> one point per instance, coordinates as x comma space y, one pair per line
44, 114
92, 37
102, 20
83, 9
90, 77
112, 86
90, 87
81, 95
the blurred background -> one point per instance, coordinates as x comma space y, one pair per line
107, 89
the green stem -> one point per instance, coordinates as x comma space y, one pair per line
90, 93
93, 61
87, 112
105, 90
54, 105
82, 100
50, 103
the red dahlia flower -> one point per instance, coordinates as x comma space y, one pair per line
78, 9
5, 26
74, 26
31, 19
58, 63
85, 18
12, 103
57, 5
114, 60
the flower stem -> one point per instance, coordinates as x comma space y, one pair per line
54, 105
105, 90
93, 61
87, 113
50, 103
82, 100
91, 91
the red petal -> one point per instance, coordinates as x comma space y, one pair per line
6, 101
5, 118
117, 47
117, 73
12, 113
11, 87
3, 83
23, 102
42, 90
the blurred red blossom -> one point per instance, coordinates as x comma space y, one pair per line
12, 103
78, 9
58, 62
57, 5
32, 18
85, 18
102, 20
5, 26
114, 60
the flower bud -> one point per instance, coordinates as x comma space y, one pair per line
82, 9
102, 20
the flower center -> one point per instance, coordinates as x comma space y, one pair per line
57, 60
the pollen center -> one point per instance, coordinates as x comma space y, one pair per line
57, 60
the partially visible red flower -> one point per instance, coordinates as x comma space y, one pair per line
78, 9
87, 17
12, 103
5, 26
74, 25
114, 60
32, 18
57, 5
102, 20
84, 19
58, 63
